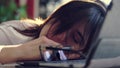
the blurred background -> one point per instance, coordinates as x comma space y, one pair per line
110, 32
21, 9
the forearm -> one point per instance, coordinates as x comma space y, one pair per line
26, 51
30, 50
9, 53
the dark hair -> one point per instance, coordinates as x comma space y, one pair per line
73, 13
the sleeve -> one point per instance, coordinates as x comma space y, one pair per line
4, 39
21, 24
10, 36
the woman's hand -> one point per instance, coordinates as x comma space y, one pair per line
30, 50
26, 51
45, 40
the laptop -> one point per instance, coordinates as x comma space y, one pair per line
82, 63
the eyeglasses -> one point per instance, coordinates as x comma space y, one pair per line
56, 56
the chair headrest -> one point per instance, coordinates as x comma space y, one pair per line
103, 4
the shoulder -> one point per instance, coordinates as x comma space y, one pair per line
22, 24
9, 31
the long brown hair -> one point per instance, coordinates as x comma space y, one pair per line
72, 13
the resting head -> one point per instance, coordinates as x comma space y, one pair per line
73, 23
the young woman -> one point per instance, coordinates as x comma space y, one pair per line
72, 25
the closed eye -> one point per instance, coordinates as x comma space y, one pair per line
81, 41
78, 38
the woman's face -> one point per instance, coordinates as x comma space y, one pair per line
71, 37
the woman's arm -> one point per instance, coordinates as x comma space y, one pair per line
26, 51
9, 53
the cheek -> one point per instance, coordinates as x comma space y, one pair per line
64, 39
71, 42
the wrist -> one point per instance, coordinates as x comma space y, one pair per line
9, 54
19, 53
29, 52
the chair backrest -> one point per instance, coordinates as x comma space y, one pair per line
93, 29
